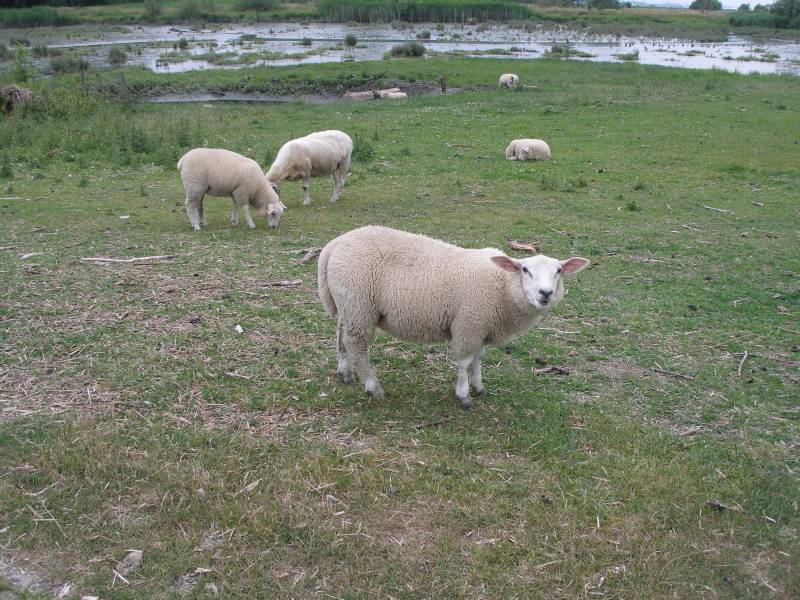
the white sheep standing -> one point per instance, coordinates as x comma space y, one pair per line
424, 290
223, 173
320, 153
508, 80
527, 149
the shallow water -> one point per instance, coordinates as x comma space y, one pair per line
148, 46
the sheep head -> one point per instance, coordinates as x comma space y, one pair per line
542, 277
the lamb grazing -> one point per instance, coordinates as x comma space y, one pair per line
508, 80
320, 153
424, 290
526, 149
224, 173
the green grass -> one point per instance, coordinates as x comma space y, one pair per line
132, 415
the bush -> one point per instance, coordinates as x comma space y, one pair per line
117, 57
68, 64
183, 43
22, 70
256, 4
599, 4
153, 9
42, 51
189, 9
407, 50
744, 8
350, 40
424, 34
706, 5
37, 16
306, 41
787, 13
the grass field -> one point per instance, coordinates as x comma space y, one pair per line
663, 465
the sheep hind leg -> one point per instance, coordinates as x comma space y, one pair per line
345, 366
193, 212
462, 383
235, 215
356, 347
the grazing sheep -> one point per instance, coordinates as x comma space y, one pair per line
423, 290
526, 149
224, 173
508, 80
320, 153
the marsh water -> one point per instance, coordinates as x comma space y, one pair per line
161, 49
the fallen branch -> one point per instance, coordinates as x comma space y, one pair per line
310, 255
284, 283
519, 245
741, 364
658, 369
442, 421
720, 506
129, 261
719, 210
551, 369
761, 204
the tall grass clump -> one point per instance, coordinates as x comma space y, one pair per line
350, 40
36, 16
153, 9
420, 11
407, 50
117, 56
746, 19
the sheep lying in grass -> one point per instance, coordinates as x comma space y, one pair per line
320, 153
508, 80
423, 290
526, 149
224, 173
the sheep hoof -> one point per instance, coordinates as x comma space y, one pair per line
480, 391
375, 390
346, 377
465, 402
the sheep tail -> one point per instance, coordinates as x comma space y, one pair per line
322, 282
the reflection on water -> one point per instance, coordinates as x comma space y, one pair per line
158, 48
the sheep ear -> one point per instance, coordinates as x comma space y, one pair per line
505, 263
574, 265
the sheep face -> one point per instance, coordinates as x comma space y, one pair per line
273, 213
542, 277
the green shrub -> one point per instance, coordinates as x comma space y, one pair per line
36, 16
153, 9
425, 34
306, 42
183, 43
68, 64
22, 70
117, 56
706, 5
42, 51
190, 9
256, 4
350, 40
420, 11
407, 50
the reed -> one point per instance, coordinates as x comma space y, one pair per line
420, 11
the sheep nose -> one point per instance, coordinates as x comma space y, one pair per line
546, 294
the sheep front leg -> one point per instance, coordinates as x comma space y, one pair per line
247, 217
202, 210
306, 197
475, 379
462, 384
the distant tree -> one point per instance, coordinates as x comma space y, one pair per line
787, 13
602, 4
760, 8
706, 5
744, 8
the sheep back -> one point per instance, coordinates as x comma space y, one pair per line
318, 153
219, 172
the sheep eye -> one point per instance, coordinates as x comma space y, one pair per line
559, 271
525, 270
